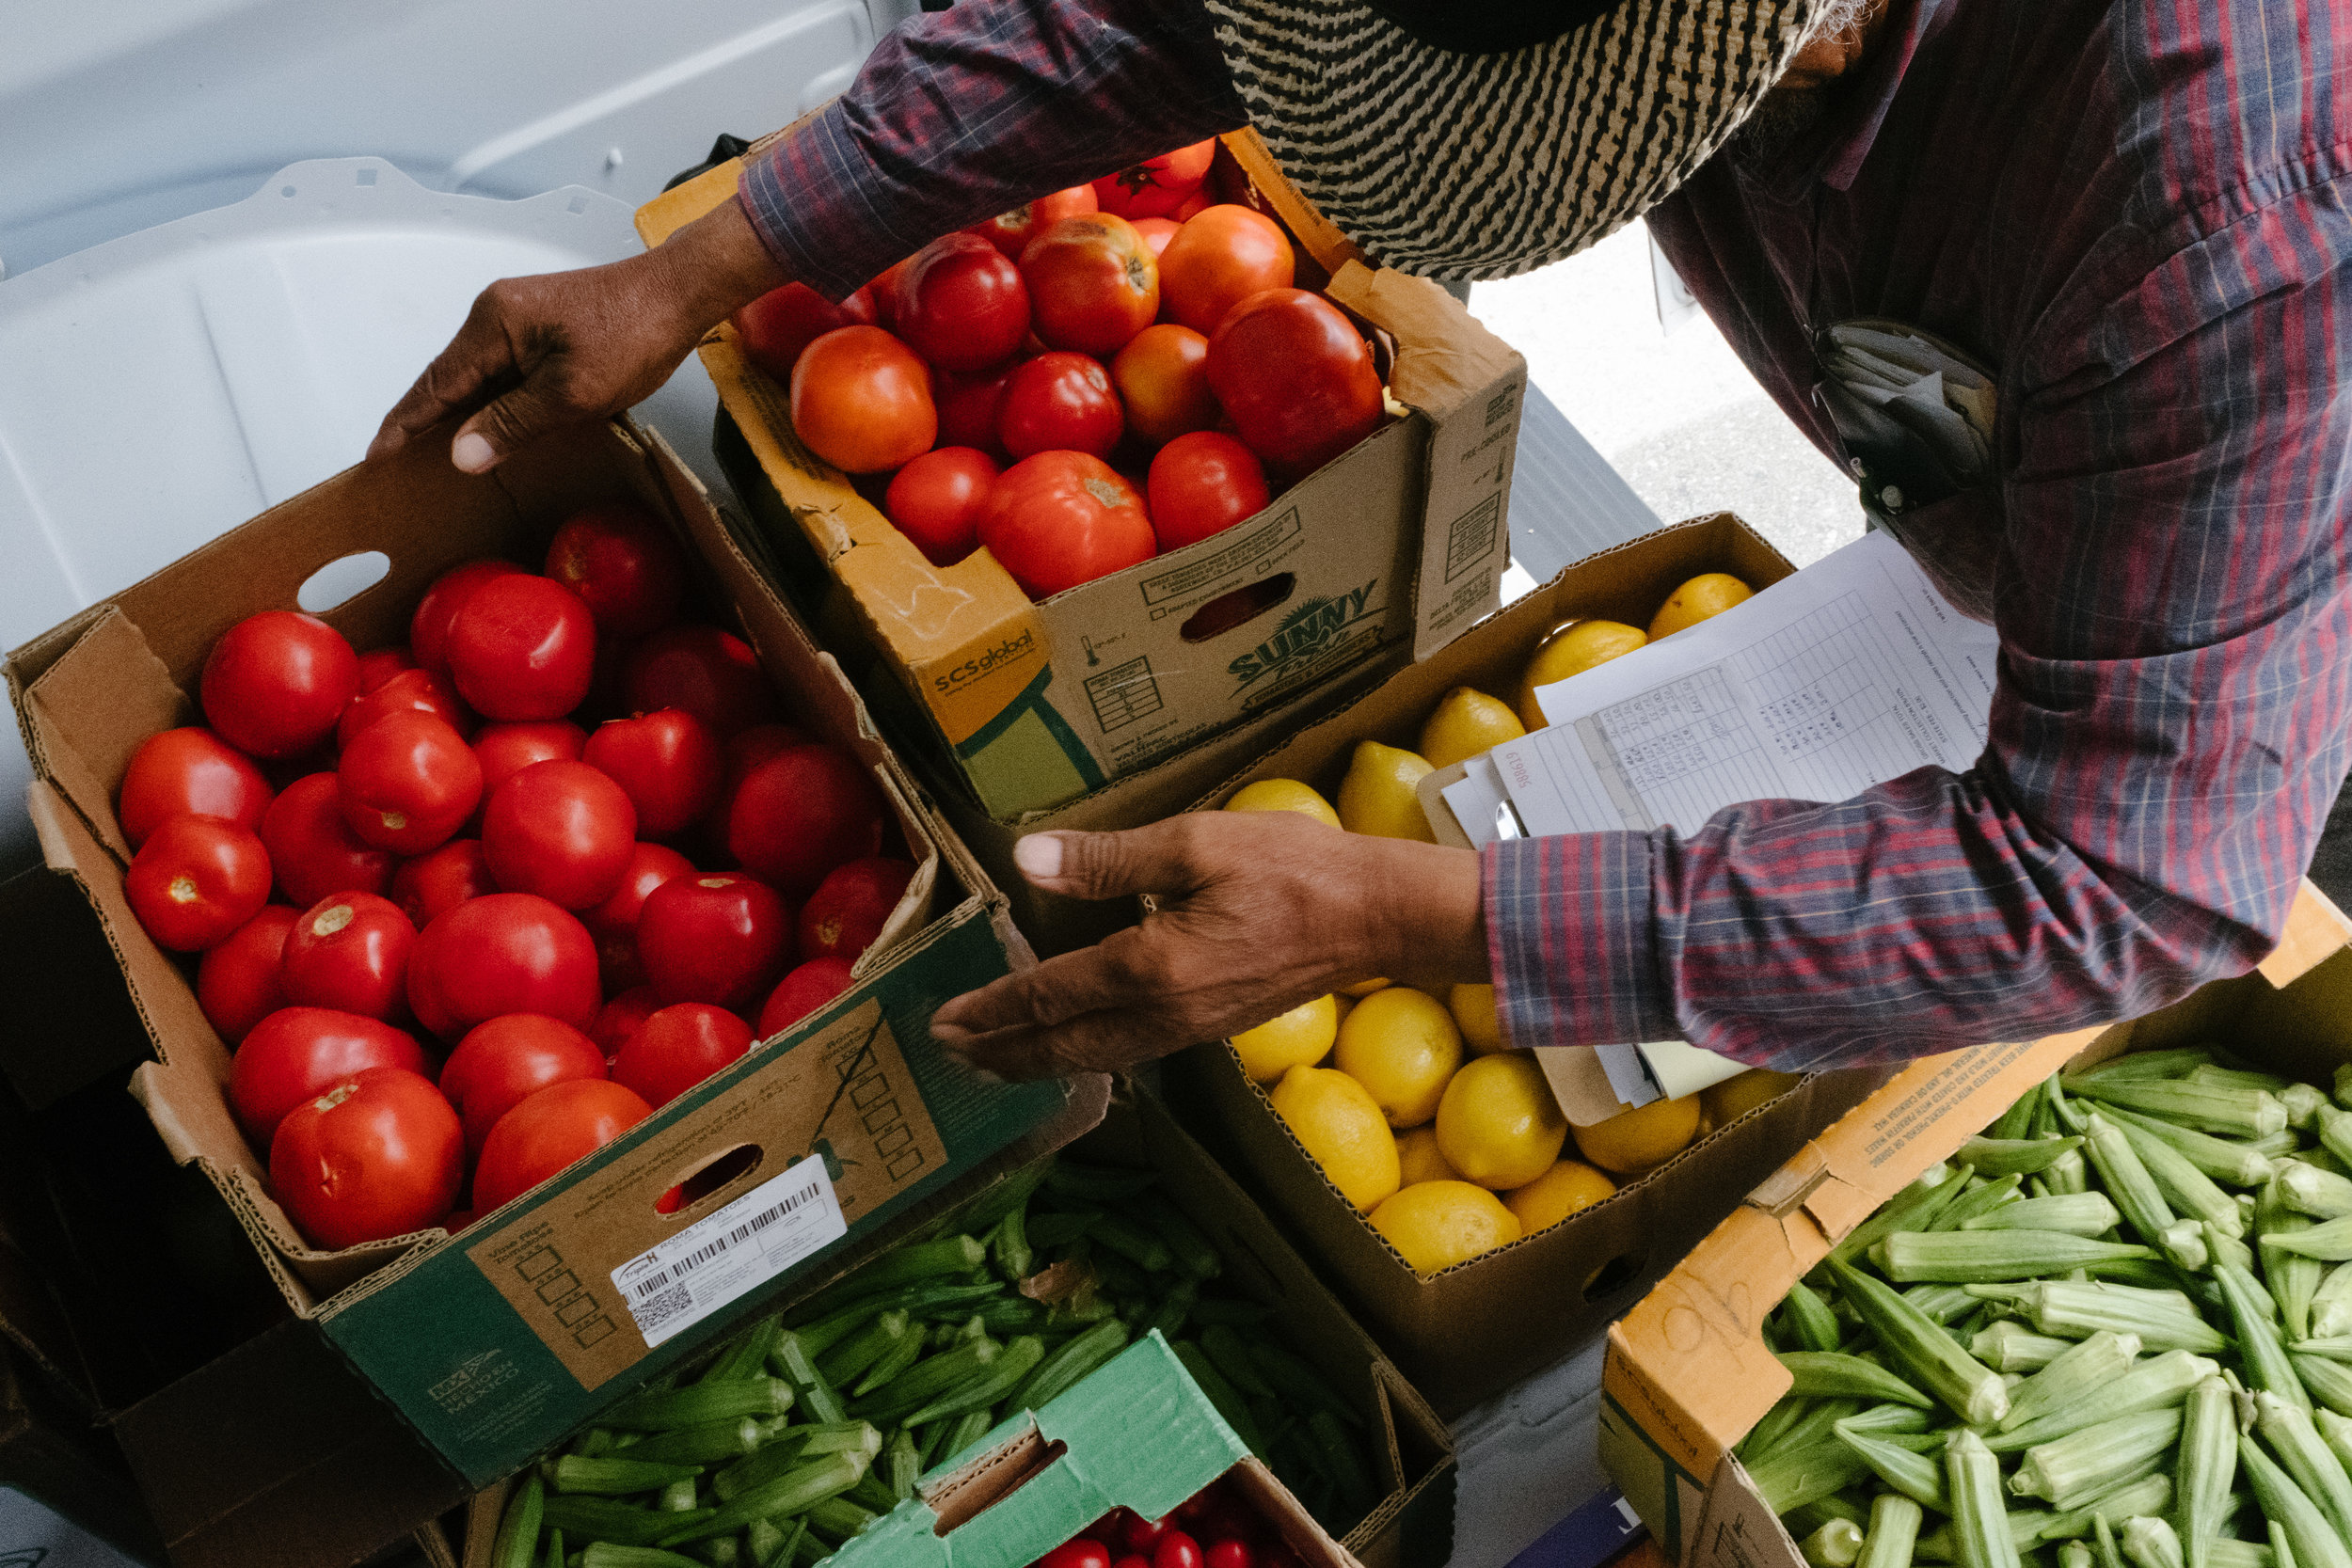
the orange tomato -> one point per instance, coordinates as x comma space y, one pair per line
1093, 283
1163, 374
862, 400
1220, 258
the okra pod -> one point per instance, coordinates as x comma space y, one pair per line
1017, 1359
2071, 1470
794, 1492
2163, 1320
2186, 1188
2176, 1062
712, 1443
798, 1364
2207, 1467
968, 1429
1915, 1207
906, 1265
1972, 1478
2006, 1345
768, 1544
1791, 1477
2087, 1214
1009, 1245
2329, 1383
928, 1379
2069, 1173
2015, 1156
990, 1206
1936, 1360
1231, 1353
838, 1517
2331, 1241
2150, 1494
612, 1554
679, 1497
1980, 1198
617, 1476
2125, 1177
905, 1463
1973, 1257
518, 1527
1222, 1394
1829, 1375
1811, 1318
2238, 1164
897, 1354
2304, 1455
669, 1409
2160, 1383
1193, 1255
2151, 1543
1835, 1544
746, 1354
2207, 1107
2309, 1536
2077, 1371
2304, 1102
2237, 1077
1067, 1364
1915, 1475
2252, 1312
1175, 1306
1894, 1531
792, 1451
2332, 1303
854, 1356
555, 1550
873, 1492
585, 1519
1131, 1241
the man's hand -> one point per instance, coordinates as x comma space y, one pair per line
1259, 912
562, 348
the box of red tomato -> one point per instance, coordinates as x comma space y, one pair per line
537, 942
1092, 483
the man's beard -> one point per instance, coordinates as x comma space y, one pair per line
1787, 113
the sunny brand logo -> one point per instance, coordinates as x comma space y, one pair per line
1303, 634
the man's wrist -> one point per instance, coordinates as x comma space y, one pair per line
1424, 912
714, 266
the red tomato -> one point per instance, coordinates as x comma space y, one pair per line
1156, 186
428, 627
627, 570
189, 772
668, 762
382, 664
1175, 1549
719, 936
1164, 376
507, 749
1061, 519
1080, 1553
883, 289
410, 691
1204, 484
274, 683
1192, 207
408, 781
847, 913
561, 1123
710, 674
506, 1060
937, 501
614, 923
803, 812
312, 851
432, 884
1230, 1553
961, 304
1093, 283
350, 952
1156, 232
522, 647
1295, 379
677, 1048
774, 327
619, 1019
1011, 232
1220, 258
968, 405
237, 983
196, 880
1059, 402
802, 992
1141, 1535
1133, 1559
506, 953
297, 1052
378, 1154
561, 830
862, 400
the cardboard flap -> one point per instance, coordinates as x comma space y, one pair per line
93, 708
1579, 1083
1444, 356
2316, 932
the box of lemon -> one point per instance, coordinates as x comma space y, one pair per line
1430, 1171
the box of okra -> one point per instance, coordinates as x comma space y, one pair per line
2080, 1303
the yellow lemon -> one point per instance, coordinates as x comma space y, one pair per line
1344, 1132
1283, 795
1571, 650
1498, 1123
1437, 1225
1560, 1192
1633, 1140
1300, 1037
1733, 1097
1708, 593
1343, 1004
1376, 797
1363, 988
1402, 1045
1474, 1014
1465, 724
1418, 1160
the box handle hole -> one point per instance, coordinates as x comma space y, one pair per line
699, 1181
338, 582
1615, 1275
1243, 605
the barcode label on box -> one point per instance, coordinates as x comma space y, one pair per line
672, 1286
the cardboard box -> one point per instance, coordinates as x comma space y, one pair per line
495, 1344
1467, 1333
1688, 1374
1402, 539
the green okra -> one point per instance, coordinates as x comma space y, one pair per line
2014, 1156
990, 1207
712, 1443
2314, 1541
2085, 1215
793, 1492
2207, 1467
1892, 1532
1811, 1318
746, 1354
1063, 1366
2070, 1470
1017, 1358
1972, 1478
2293, 1439
1009, 1245
617, 1476
518, 1527
1829, 1374
2207, 1107
2227, 1160
1914, 1474
2075, 1373
1980, 1198
2252, 1313
1984, 1257
589, 1518
1193, 1255
1935, 1360
670, 1409
1222, 1394
854, 1356
1835, 1544
2151, 1543
2160, 1383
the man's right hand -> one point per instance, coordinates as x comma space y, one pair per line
562, 348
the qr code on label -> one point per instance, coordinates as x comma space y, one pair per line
651, 1315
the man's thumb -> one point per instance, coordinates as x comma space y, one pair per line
1107, 865
505, 426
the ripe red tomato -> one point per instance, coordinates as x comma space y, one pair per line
274, 683
297, 1052
1175, 1549
961, 304
237, 983
937, 500
544, 1134
350, 953
1295, 379
522, 647
614, 923
677, 1048
1011, 232
196, 880
1156, 232
847, 913
774, 327
1079, 1553
862, 400
378, 1154
506, 1060
1059, 402
620, 1016
1156, 186
1230, 1553
561, 830
1220, 258
312, 851
882, 287
1192, 207
507, 749
627, 570
668, 762
1061, 519
968, 406
802, 992
1164, 376
1093, 283
408, 781
505, 953
803, 812
710, 674
718, 936
431, 884
428, 627
408, 691
1141, 1535
1204, 484
189, 772
381, 664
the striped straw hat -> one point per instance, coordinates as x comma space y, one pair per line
1482, 138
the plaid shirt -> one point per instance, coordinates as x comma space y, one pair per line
2139, 215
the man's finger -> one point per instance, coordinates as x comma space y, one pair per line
512, 421
455, 377
1157, 859
1112, 974
1104, 1041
